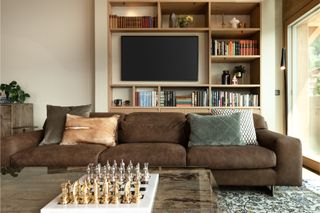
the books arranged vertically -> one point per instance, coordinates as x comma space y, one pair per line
195, 98
234, 47
132, 22
222, 98
146, 98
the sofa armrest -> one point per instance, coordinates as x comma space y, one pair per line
289, 156
15, 143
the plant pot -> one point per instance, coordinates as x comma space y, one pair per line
238, 74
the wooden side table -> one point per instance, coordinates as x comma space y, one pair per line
16, 118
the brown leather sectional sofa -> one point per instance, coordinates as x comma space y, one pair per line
162, 140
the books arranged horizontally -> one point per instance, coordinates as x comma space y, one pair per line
146, 98
195, 98
234, 99
132, 22
234, 47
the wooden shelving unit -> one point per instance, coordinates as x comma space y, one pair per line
211, 22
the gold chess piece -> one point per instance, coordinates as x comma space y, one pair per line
127, 194
105, 199
137, 195
64, 199
68, 186
116, 195
75, 192
85, 196
96, 191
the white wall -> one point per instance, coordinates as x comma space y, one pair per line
48, 47
272, 106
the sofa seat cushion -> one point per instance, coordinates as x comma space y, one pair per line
153, 127
156, 154
58, 155
231, 157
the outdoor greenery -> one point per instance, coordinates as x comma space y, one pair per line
314, 68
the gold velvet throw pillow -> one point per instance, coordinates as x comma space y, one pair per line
80, 129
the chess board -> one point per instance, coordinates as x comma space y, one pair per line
145, 205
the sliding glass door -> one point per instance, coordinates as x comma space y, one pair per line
304, 84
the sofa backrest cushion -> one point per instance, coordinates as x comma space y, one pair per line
149, 127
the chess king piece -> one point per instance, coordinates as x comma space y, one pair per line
85, 191
127, 193
116, 194
96, 191
105, 199
64, 199
137, 195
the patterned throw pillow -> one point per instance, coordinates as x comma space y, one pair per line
80, 129
215, 130
247, 130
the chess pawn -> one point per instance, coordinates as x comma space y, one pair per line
137, 195
146, 174
96, 191
68, 186
85, 197
64, 194
105, 192
127, 193
75, 192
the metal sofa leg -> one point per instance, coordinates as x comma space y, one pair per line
271, 190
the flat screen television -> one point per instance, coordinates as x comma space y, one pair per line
159, 58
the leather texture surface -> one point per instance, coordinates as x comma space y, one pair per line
156, 154
231, 157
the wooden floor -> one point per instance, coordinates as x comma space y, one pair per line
178, 190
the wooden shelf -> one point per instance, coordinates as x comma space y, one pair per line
194, 29
236, 58
229, 33
195, 107
250, 107
233, 8
235, 86
158, 85
184, 8
133, 3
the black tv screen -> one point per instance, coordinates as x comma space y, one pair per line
159, 58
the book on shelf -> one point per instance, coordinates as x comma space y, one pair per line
234, 47
195, 98
146, 98
132, 22
222, 98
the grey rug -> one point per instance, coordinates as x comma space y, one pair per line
302, 199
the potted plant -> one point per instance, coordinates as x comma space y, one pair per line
184, 21
14, 93
239, 70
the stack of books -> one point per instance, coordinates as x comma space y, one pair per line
146, 98
234, 99
196, 98
132, 22
234, 47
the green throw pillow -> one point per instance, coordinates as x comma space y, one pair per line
215, 130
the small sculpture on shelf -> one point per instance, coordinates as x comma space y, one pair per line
234, 80
172, 20
234, 23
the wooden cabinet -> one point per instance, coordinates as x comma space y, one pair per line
221, 47
16, 118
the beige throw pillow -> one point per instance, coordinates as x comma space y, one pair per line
80, 129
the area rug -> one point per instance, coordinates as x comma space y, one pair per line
286, 199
